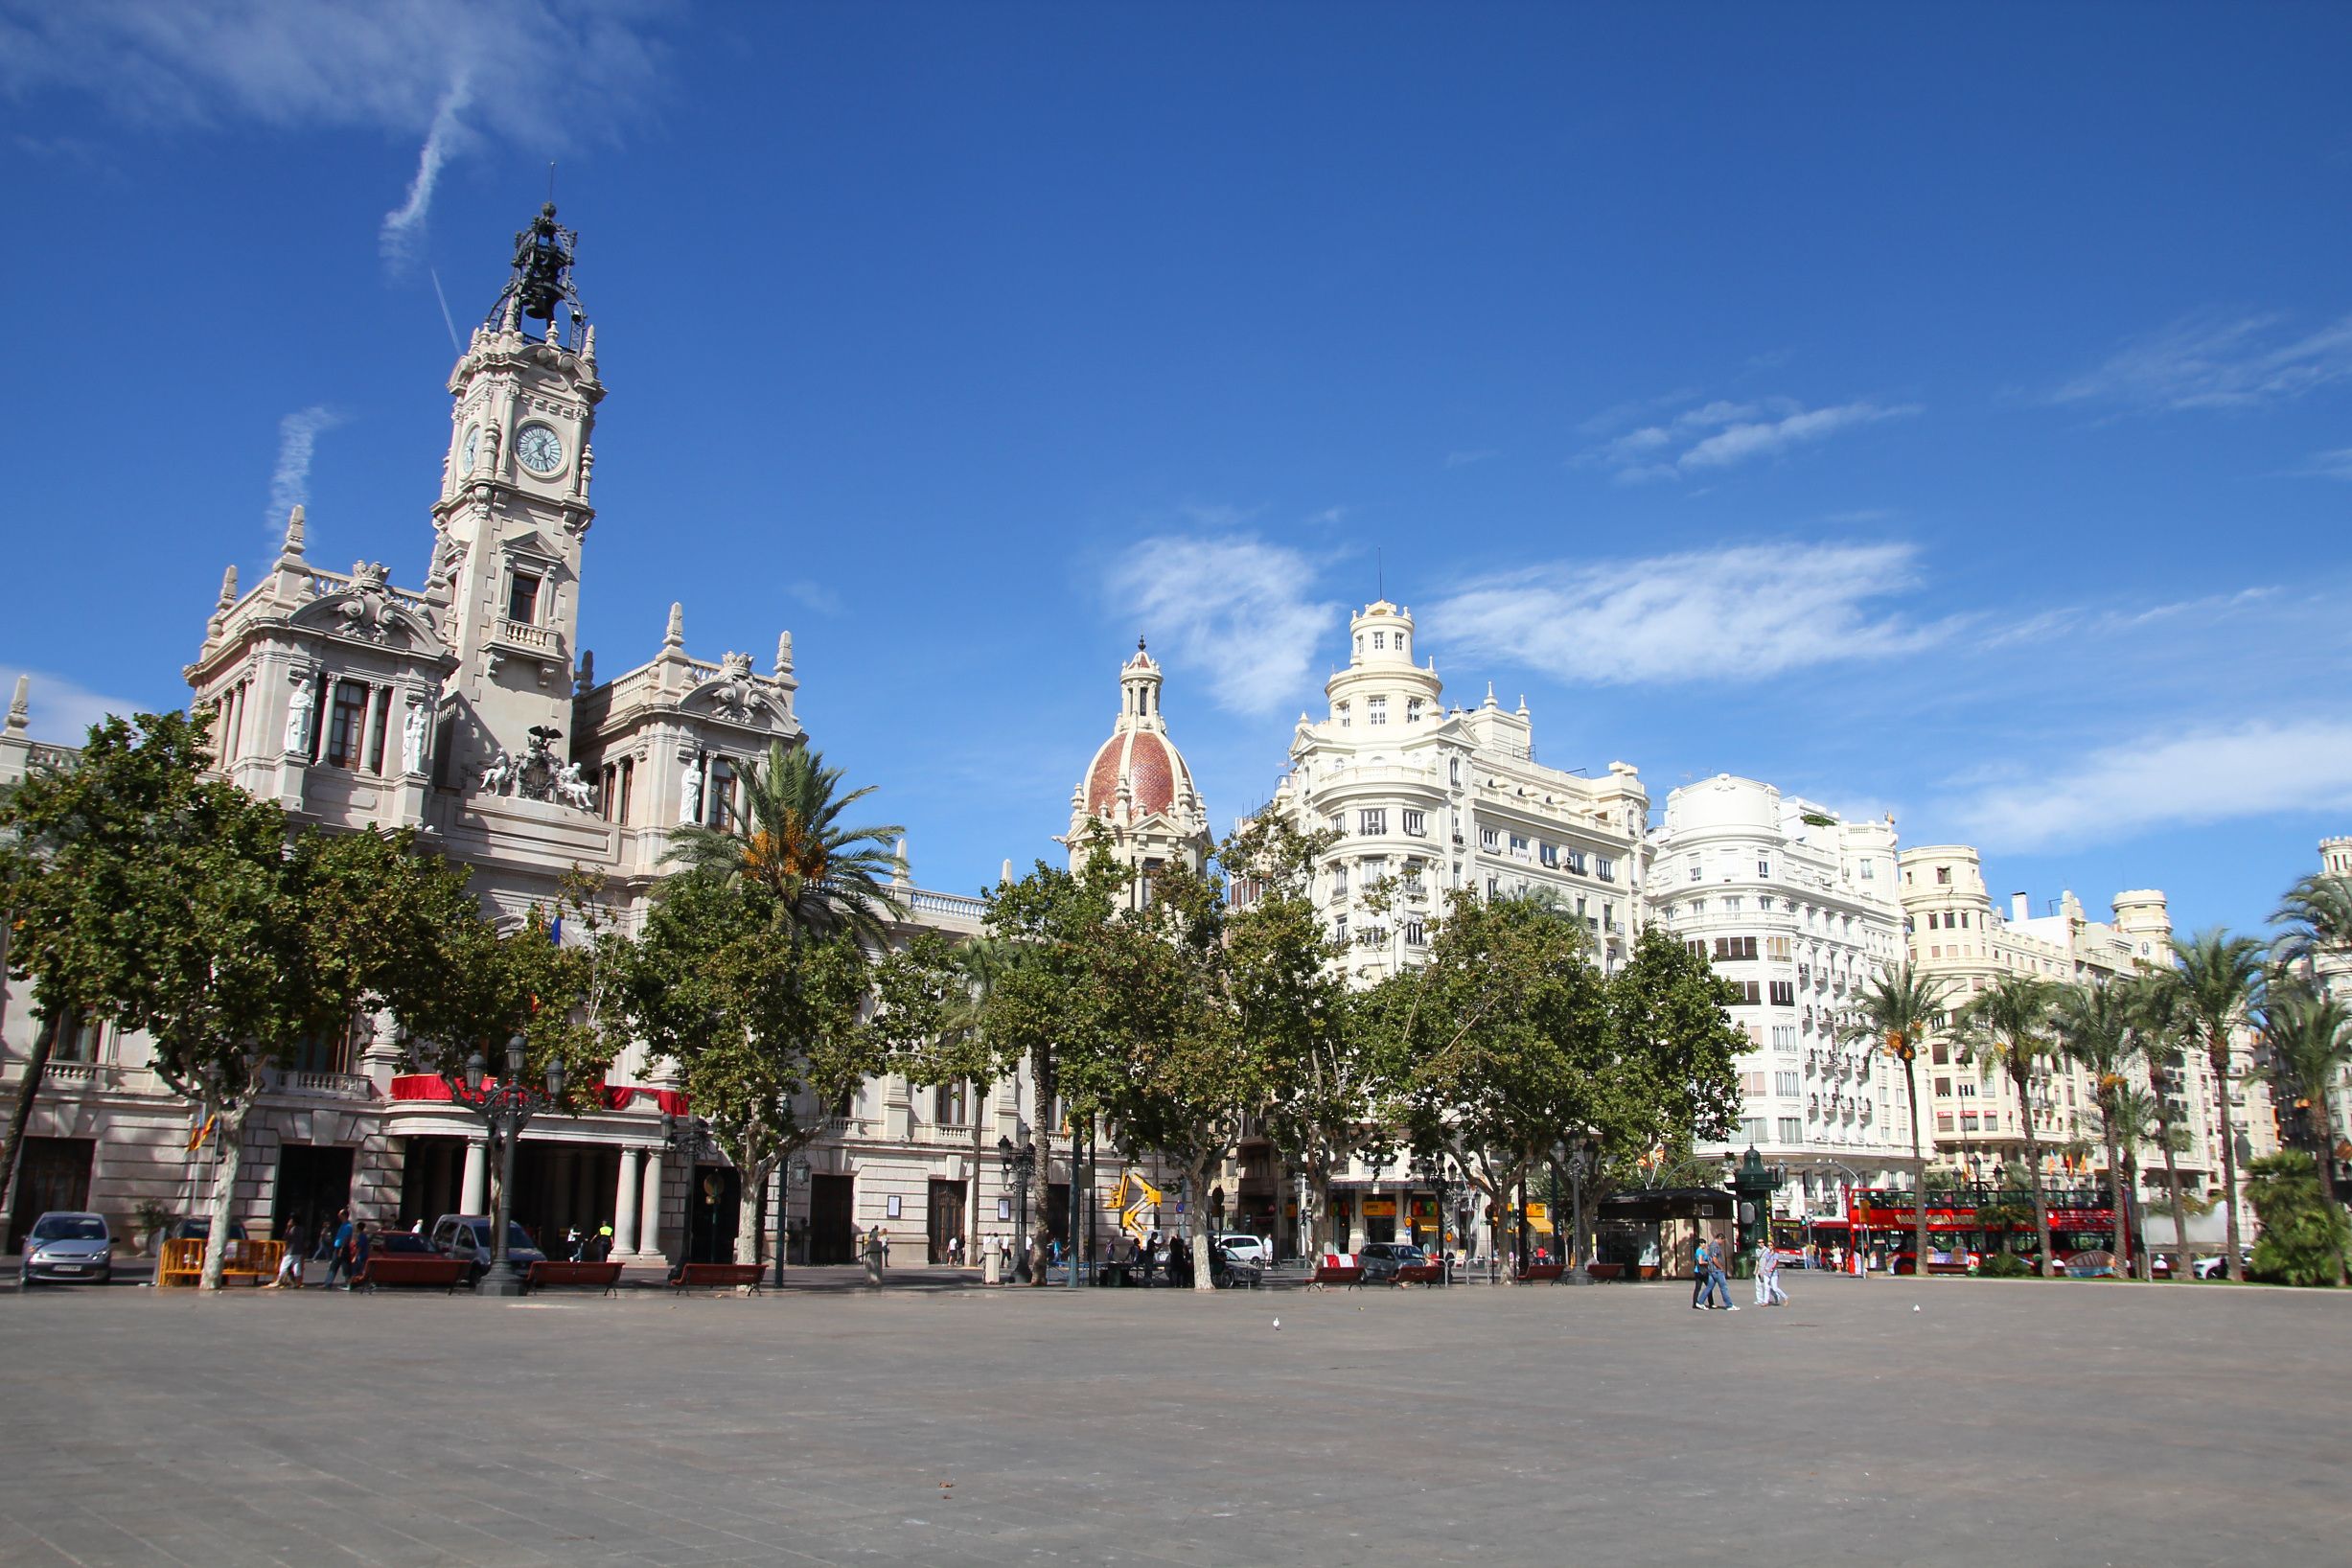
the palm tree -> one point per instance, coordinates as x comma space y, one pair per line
2154, 1007
2094, 1028
2220, 984
790, 841
2310, 1039
2318, 915
1893, 1014
2128, 1119
2008, 1027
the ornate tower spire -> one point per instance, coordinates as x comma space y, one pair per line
541, 279
294, 535
20, 705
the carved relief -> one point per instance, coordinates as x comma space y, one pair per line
538, 775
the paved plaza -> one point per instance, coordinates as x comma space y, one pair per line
2004, 1423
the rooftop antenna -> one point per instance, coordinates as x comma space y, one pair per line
550, 180
1381, 572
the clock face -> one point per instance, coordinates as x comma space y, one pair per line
470, 450
540, 447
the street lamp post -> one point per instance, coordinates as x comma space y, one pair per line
1583, 1156
1431, 1168
506, 1108
1020, 1166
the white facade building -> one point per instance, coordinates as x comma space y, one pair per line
1800, 910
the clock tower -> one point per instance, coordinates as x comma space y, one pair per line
513, 513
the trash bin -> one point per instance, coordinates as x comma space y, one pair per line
992, 1267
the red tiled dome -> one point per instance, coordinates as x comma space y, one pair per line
1152, 768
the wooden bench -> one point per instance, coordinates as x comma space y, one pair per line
547, 1271
1535, 1274
714, 1275
1415, 1274
1328, 1273
412, 1269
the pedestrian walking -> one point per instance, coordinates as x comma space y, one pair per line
357, 1254
1768, 1291
339, 1255
289, 1265
1698, 1276
1717, 1283
328, 1235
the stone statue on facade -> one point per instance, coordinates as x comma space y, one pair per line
298, 709
538, 775
574, 790
690, 795
412, 739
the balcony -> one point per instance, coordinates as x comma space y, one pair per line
539, 645
339, 1086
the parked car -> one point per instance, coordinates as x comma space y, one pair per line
66, 1247
402, 1241
1244, 1248
1381, 1260
2215, 1267
468, 1236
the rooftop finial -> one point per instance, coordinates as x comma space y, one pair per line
20, 705
676, 635
783, 654
228, 586
294, 532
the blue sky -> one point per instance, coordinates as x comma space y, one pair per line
1949, 415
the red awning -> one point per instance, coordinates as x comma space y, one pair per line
428, 1086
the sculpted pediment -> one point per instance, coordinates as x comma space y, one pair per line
369, 609
737, 695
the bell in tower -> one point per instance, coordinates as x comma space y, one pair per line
542, 276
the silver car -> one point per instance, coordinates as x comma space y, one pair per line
65, 1248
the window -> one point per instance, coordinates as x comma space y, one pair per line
1763, 869
1776, 947
1792, 1129
384, 722
1375, 709
346, 725
948, 1103
1695, 869
1754, 1127
1750, 994
1729, 948
1417, 824
1489, 839
1697, 946
1605, 868
522, 598
1785, 1084
1343, 716
1548, 854
1494, 887
1413, 710
1784, 1037
1415, 936
1339, 880
74, 1036
1869, 871
1339, 929
1518, 847
629, 769
1731, 904
1413, 879
1784, 993
1943, 876
1372, 821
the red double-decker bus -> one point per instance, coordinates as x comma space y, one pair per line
1964, 1224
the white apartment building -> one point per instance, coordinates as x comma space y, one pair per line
2333, 971
1428, 798
1798, 909
1959, 934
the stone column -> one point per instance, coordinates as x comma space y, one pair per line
625, 1202
649, 1206
473, 1192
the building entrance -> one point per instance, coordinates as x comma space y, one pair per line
833, 1219
560, 1187
714, 1208
945, 1217
51, 1173
312, 1184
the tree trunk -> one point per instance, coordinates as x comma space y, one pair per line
1196, 1221
2115, 1196
2218, 1052
1919, 1174
229, 1131
1324, 1239
2033, 1174
36, 1068
2184, 1270
749, 1209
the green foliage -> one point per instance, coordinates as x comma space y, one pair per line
790, 841
2005, 1266
2304, 1235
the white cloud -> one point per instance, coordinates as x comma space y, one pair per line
2169, 779
1232, 606
61, 712
1738, 613
402, 224
2212, 361
1720, 434
290, 482
578, 67
2331, 465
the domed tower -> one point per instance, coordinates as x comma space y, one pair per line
1136, 795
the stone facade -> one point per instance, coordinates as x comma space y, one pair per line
1801, 911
